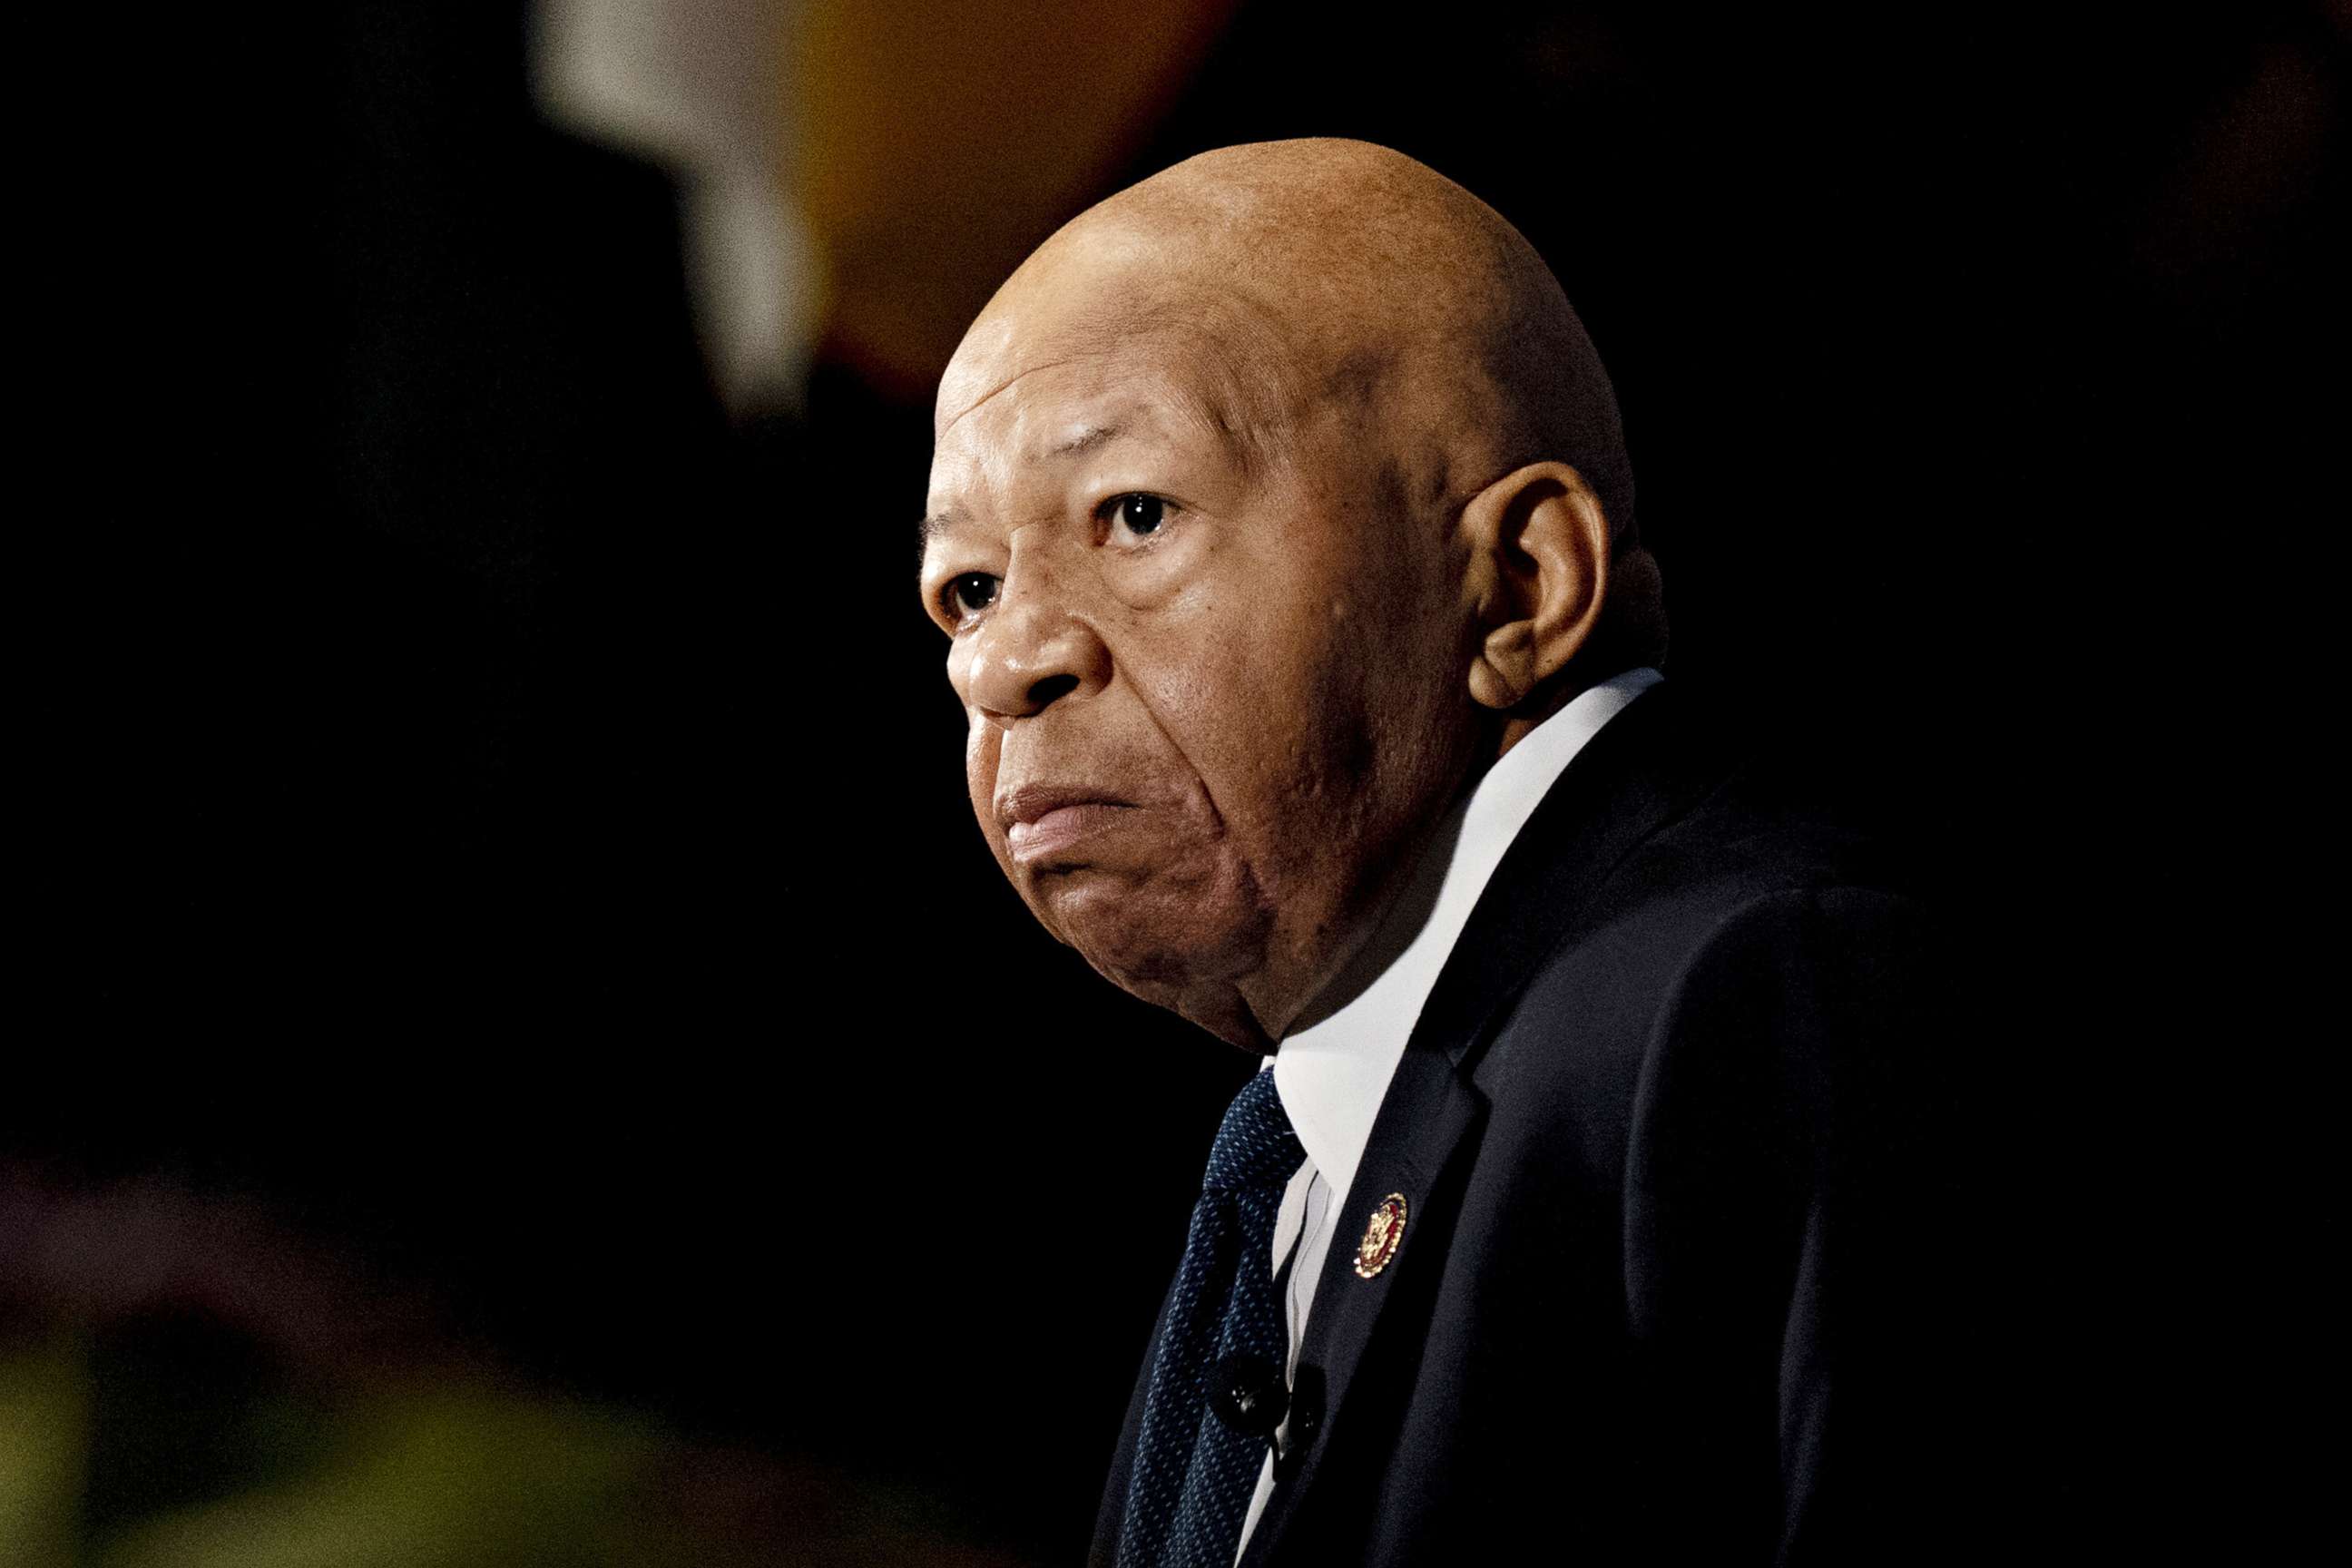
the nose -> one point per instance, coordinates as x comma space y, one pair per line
1035, 650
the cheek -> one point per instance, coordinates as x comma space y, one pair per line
1321, 716
983, 745
1169, 579
1267, 706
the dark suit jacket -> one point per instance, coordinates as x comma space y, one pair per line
1669, 1287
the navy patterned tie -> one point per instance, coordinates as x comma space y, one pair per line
1193, 1474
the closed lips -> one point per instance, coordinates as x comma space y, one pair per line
1046, 823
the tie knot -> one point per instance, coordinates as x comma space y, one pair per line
1256, 1146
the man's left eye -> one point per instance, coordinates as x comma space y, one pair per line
968, 594
1140, 514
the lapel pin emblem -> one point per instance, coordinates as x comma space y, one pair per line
1381, 1237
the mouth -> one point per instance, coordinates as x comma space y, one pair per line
1042, 824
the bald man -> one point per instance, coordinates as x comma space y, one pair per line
1281, 525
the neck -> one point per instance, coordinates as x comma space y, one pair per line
1406, 909
1259, 1011
1547, 699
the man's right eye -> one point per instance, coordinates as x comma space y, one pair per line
968, 594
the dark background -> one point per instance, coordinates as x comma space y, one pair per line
500, 817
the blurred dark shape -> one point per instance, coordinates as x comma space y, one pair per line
160, 1404
943, 139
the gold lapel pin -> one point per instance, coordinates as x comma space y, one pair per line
1381, 1237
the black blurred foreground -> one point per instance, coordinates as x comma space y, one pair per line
211, 1393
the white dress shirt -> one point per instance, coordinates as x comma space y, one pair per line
1332, 1075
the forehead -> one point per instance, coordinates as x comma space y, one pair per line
1079, 400
1020, 410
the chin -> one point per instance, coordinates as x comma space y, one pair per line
1192, 964
1159, 923
1216, 1006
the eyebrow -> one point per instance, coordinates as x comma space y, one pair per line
1097, 435
1085, 441
932, 524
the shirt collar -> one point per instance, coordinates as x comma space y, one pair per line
1333, 1074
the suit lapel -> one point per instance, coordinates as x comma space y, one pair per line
1429, 1116
1638, 773
1645, 768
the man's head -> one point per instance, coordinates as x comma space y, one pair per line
1272, 500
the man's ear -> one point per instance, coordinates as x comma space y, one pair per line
1539, 576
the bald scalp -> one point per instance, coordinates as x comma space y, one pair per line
1425, 551
1339, 282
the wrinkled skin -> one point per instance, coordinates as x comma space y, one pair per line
1196, 532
